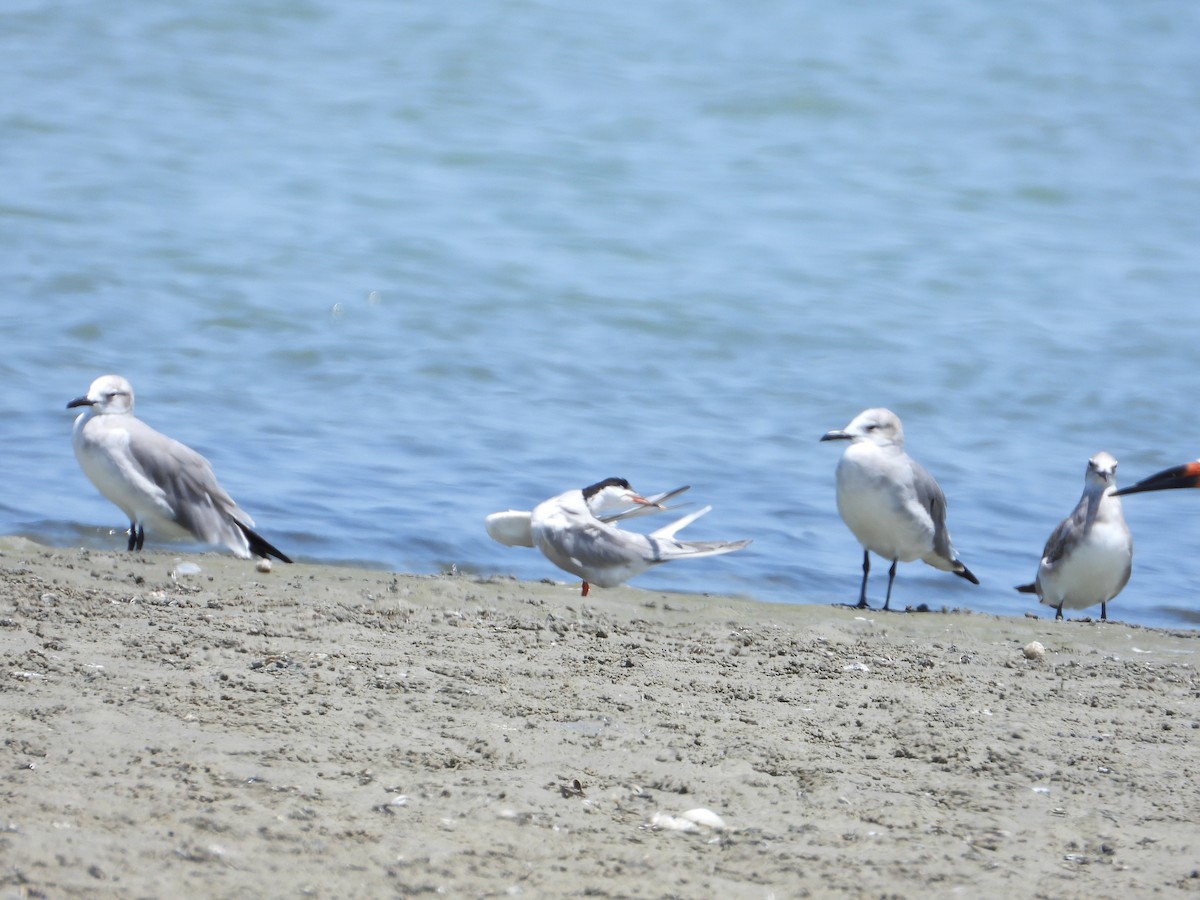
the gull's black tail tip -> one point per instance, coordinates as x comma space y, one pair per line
1027, 588
966, 573
260, 546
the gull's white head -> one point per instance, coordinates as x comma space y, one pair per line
1101, 472
611, 495
108, 395
879, 426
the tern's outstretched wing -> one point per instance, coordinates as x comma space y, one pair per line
654, 504
668, 531
600, 546
665, 551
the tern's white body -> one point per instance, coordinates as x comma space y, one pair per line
567, 531
1089, 556
156, 481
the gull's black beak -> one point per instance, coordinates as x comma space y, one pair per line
837, 435
1185, 476
80, 401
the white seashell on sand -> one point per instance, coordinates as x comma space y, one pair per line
692, 820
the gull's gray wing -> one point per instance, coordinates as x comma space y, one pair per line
1066, 536
930, 496
187, 485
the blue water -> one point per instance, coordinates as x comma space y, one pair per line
394, 266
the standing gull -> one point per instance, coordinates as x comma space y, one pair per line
155, 480
893, 506
1089, 555
568, 531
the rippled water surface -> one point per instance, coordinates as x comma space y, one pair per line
392, 267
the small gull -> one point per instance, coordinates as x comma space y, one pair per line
571, 533
155, 480
890, 503
1089, 556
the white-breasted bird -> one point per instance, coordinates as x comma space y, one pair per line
570, 533
1089, 556
156, 481
891, 504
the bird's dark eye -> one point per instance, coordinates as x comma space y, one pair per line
872, 427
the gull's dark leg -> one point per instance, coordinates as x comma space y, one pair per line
862, 593
891, 578
584, 591
1103, 610
141, 536
1058, 612
132, 536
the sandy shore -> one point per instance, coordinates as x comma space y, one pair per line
328, 732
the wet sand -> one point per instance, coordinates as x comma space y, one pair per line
330, 732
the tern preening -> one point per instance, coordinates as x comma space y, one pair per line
574, 531
1089, 556
156, 481
512, 527
890, 503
